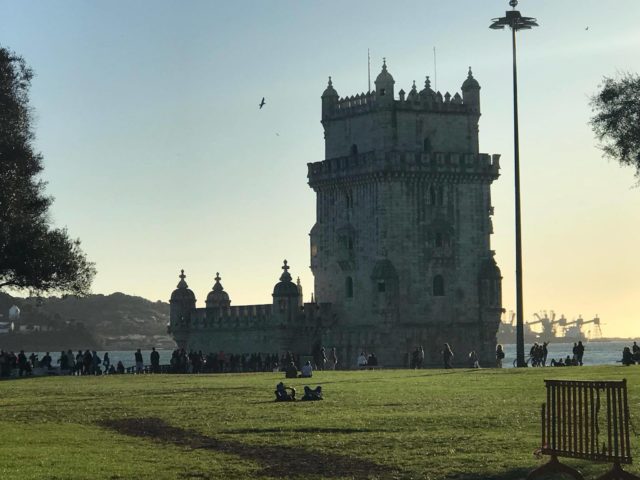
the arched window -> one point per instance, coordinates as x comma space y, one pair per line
349, 287
440, 198
354, 149
438, 286
427, 145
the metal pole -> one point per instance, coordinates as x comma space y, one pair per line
519, 301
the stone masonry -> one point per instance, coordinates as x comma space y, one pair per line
400, 250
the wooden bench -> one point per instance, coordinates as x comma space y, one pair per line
585, 420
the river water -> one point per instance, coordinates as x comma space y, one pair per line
596, 353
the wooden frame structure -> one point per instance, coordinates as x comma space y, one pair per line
586, 420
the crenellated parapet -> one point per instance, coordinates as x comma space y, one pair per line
383, 98
365, 166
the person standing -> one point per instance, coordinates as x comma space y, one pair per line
106, 362
499, 356
447, 356
579, 352
545, 353
139, 362
420, 356
155, 361
333, 359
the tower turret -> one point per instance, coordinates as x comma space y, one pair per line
182, 302
217, 296
329, 99
384, 86
471, 92
285, 295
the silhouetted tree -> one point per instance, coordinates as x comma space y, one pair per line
33, 254
616, 119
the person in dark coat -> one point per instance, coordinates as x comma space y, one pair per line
447, 356
155, 361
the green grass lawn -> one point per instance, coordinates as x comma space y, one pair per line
427, 424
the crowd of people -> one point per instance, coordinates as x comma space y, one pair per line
69, 363
89, 362
631, 355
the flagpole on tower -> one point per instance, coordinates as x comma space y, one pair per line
368, 71
435, 70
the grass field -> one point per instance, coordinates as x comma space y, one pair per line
423, 424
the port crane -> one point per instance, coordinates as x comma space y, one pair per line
574, 328
548, 323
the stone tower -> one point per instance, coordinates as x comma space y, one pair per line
401, 244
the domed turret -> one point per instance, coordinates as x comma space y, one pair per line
427, 93
329, 99
182, 292
182, 302
490, 283
471, 92
384, 85
217, 296
286, 296
285, 287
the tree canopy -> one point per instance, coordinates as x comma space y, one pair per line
616, 119
33, 254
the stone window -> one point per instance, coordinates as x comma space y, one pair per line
382, 286
438, 286
382, 92
427, 145
349, 287
354, 149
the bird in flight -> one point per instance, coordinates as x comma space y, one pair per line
587, 28
262, 103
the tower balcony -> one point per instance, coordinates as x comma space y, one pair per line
480, 167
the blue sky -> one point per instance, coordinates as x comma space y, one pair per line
159, 159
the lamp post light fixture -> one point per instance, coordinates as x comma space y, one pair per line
515, 21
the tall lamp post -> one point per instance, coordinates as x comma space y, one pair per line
515, 21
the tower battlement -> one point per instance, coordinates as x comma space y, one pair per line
383, 164
366, 102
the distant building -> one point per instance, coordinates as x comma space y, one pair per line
400, 250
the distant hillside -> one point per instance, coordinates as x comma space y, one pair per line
116, 321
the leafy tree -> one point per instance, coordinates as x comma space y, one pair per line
33, 254
616, 119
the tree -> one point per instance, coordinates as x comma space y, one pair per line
33, 254
616, 119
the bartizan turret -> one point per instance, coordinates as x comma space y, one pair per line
285, 296
217, 297
182, 302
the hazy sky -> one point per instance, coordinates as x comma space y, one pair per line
159, 159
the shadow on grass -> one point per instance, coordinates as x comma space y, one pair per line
303, 430
515, 474
279, 462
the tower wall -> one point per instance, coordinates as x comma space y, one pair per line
403, 225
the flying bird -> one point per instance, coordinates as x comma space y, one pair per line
262, 103
587, 28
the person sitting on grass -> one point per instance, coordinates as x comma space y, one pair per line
372, 361
291, 371
284, 393
307, 370
312, 394
362, 360
120, 367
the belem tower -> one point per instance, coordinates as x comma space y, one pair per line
400, 250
